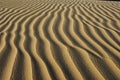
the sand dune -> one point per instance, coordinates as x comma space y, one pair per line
59, 40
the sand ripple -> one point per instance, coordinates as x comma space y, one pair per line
59, 40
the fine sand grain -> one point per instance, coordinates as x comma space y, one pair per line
59, 40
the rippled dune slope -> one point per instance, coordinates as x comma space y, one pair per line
59, 40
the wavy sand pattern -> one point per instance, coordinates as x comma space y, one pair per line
59, 40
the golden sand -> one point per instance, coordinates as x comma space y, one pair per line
59, 40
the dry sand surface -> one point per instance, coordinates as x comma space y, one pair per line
59, 40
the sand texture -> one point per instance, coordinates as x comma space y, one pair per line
59, 40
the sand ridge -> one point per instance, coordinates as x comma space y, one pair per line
59, 40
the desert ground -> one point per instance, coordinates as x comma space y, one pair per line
59, 40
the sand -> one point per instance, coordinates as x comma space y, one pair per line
59, 40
